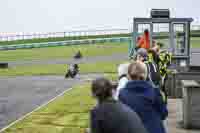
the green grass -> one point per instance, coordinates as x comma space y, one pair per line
59, 69
69, 51
63, 51
67, 114
195, 42
195, 45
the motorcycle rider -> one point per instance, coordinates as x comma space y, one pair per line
72, 70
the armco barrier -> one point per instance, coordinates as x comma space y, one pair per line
65, 43
67, 34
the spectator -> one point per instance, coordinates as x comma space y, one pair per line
122, 74
151, 59
111, 116
142, 55
145, 100
144, 41
153, 74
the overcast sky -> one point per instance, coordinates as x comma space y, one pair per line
60, 15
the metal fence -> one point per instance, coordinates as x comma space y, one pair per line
195, 33
64, 43
23, 36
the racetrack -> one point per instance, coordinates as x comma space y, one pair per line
114, 57
195, 54
20, 95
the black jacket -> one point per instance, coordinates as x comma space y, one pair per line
115, 117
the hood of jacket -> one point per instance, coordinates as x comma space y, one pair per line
142, 88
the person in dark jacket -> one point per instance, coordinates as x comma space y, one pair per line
109, 115
145, 100
153, 73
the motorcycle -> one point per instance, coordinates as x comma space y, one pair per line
72, 71
78, 55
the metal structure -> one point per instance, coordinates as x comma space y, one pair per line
175, 35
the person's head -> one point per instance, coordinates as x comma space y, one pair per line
153, 55
156, 47
75, 66
146, 31
123, 69
137, 71
153, 43
142, 55
161, 45
102, 89
138, 41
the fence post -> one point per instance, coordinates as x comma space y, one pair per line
191, 105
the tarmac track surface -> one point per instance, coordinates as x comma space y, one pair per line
195, 56
21, 95
114, 57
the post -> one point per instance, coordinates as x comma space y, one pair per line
171, 85
188, 42
191, 104
171, 31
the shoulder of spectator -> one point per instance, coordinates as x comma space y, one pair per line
95, 113
122, 83
123, 79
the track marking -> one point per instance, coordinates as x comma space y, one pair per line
37, 108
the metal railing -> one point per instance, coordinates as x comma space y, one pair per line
65, 43
78, 40
24, 36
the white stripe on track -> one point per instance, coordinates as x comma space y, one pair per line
37, 108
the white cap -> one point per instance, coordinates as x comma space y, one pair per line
123, 69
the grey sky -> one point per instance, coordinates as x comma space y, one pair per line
60, 15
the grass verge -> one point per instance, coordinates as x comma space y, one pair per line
63, 51
67, 114
59, 69
69, 51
